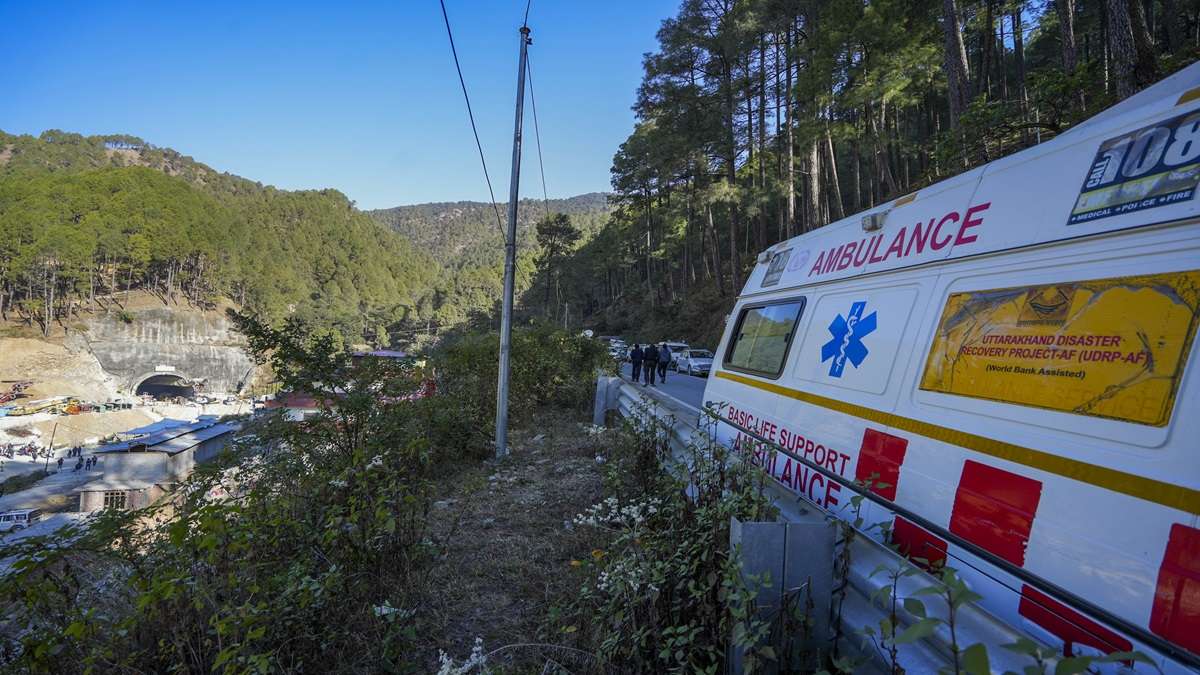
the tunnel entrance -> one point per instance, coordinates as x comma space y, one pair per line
165, 387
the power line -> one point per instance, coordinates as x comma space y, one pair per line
471, 115
536, 132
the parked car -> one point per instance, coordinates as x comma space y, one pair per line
618, 349
695, 362
19, 519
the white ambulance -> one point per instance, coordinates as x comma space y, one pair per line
1005, 357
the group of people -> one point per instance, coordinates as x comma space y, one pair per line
10, 450
649, 360
80, 463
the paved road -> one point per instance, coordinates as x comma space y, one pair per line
686, 388
59, 483
49, 524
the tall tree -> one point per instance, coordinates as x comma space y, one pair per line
556, 236
1019, 51
1066, 24
987, 46
958, 77
1120, 45
1145, 68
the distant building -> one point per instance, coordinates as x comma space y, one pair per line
140, 471
296, 406
127, 495
382, 354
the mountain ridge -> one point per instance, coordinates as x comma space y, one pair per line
461, 233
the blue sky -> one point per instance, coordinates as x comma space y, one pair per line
357, 96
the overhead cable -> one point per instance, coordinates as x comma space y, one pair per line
471, 115
537, 134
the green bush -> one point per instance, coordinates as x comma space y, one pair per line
662, 592
549, 368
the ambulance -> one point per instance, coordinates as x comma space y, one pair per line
1008, 357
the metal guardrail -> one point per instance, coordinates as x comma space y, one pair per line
868, 554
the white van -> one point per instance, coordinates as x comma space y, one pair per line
19, 519
1005, 355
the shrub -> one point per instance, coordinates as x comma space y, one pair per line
662, 592
548, 368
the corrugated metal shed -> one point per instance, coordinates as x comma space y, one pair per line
173, 440
180, 443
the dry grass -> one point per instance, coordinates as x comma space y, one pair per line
508, 548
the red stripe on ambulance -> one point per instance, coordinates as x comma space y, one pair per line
1068, 625
1175, 614
879, 461
918, 544
995, 509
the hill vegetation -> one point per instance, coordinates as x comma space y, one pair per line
758, 120
83, 220
467, 240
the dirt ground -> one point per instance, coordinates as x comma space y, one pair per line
54, 370
509, 545
58, 371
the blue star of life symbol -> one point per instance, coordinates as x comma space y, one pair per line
848, 333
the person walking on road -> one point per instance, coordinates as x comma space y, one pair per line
650, 363
635, 361
664, 358
60, 463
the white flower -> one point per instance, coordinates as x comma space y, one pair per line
475, 660
376, 461
392, 613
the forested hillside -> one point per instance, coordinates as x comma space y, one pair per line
466, 239
758, 120
467, 233
83, 220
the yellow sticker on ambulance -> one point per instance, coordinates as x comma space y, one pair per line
1112, 348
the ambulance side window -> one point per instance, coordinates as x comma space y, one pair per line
762, 337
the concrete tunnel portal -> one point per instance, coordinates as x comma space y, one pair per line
165, 385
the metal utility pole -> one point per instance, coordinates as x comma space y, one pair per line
510, 259
53, 433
